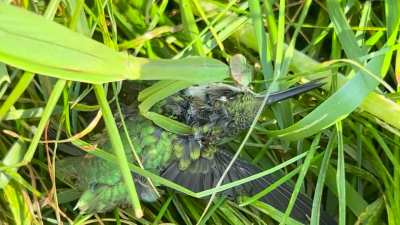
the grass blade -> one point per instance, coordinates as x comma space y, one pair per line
4, 79
82, 59
189, 25
18, 90
118, 149
315, 214
340, 176
300, 179
48, 110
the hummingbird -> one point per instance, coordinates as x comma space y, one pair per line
197, 161
217, 112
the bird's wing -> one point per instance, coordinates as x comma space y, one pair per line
204, 174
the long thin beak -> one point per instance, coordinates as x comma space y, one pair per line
294, 91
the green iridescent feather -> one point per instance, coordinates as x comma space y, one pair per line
101, 182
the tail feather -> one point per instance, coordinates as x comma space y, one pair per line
199, 180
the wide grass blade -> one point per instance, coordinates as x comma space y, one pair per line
27, 38
328, 113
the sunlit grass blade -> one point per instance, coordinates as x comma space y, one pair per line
189, 25
262, 46
168, 124
343, 31
193, 69
4, 79
18, 205
153, 89
153, 94
18, 90
17, 114
14, 155
225, 28
20, 181
77, 54
341, 176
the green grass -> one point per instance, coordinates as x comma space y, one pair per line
341, 143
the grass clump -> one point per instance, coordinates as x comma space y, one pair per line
57, 68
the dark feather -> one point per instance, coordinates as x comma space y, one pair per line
200, 180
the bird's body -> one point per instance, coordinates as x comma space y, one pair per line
195, 161
215, 113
